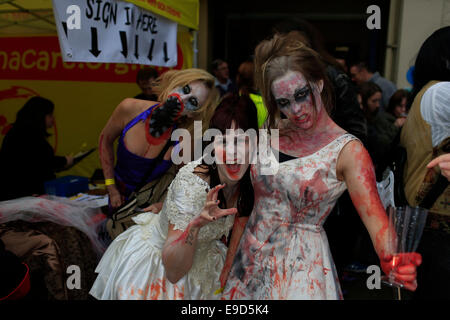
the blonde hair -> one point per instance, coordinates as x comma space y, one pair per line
173, 79
283, 53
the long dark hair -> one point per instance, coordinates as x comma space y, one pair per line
30, 119
366, 90
433, 61
396, 100
242, 111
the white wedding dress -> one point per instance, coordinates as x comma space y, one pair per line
132, 267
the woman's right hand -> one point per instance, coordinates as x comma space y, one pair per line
443, 162
399, 122
211, 211
115, 198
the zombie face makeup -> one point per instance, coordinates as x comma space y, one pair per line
192, 95
295, 99
183, 101
232, 153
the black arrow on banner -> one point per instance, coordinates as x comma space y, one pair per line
94, 43
123, 39
64, 24
166, 58
150, 51
136, 47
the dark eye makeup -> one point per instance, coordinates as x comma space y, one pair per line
186, 89
194, 101
282, 103
301, 94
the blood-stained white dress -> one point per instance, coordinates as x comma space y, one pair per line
284, 252
132, 268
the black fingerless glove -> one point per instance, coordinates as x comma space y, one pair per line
165, 116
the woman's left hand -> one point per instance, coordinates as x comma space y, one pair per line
403, 267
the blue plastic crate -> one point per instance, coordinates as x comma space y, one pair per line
67, 186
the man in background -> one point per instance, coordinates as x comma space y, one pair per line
144, 80
360, 73
222, 73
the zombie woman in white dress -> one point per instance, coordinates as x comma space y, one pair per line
284, 252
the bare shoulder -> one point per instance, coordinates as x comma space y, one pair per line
130, 108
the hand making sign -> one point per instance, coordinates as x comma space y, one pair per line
114, 31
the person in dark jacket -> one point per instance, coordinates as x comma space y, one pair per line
223, 82
381, 125
27, 160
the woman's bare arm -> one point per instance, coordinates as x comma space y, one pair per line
356, 169
112, 130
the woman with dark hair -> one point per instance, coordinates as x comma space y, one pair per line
246, 85
432, 62
426, 137
381, 126
284, 252
27, 160
177, 254
397, 105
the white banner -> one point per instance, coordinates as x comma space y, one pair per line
114, 31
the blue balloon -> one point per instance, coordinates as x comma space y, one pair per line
409, 75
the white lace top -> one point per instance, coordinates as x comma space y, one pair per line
185, 199
132, 267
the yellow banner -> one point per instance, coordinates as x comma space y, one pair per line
184, 12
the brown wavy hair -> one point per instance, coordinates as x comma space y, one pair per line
283, 53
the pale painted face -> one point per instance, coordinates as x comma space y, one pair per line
232, 155
192, 95
295, 99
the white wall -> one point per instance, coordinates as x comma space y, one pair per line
419, 19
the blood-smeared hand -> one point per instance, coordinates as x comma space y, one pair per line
402, 268
115, 198
211, 211
163, 118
